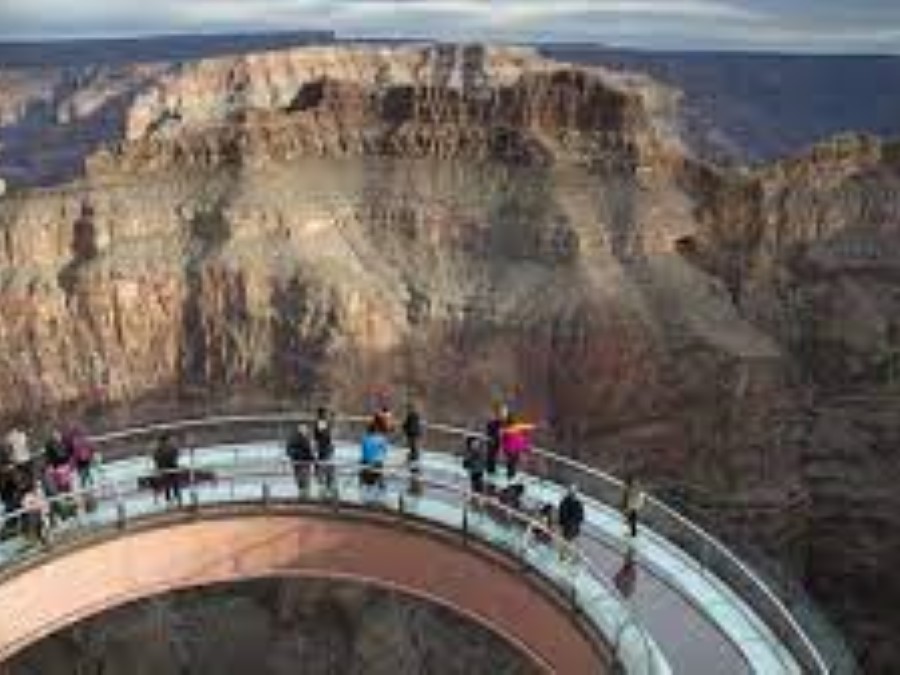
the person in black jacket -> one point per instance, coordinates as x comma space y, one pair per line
492, 432
322, 437
56, 450
300, 452
165, 457
474, 463
570, 514
412, 430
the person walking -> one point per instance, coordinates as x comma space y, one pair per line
633, 499
166, 458
300, 452
475, 462
324, 445
570, 515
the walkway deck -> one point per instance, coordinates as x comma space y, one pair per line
696, 624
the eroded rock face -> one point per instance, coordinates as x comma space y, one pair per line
275, 627
464, 224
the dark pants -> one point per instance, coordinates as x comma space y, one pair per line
325, 473
371, 475
493, 449
413, 443
85, 475
171, 483
570, 530
302, 474
476, 482
512, 465
632, 517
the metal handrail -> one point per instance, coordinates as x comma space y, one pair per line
529, 525
710, 544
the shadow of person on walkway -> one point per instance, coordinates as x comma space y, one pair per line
626, 578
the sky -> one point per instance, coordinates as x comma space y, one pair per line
818, 26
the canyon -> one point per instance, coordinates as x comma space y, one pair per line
273, 626
462, 224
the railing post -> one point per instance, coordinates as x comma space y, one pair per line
465, 521
121, 515
266, 494
401, 503
192, 478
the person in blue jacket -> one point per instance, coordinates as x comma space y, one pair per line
374, 450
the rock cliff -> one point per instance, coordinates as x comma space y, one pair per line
459, 224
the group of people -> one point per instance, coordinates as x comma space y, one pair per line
508, 438
310, 448
39, 484
311, 452
506, 441
35, 484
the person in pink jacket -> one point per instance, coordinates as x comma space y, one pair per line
515, 442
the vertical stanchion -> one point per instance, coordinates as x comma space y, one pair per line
465, 521
192, 478
121, 515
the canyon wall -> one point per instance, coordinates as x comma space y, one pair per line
460, 225
275, 627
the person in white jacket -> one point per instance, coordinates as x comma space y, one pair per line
632, 502
17, 442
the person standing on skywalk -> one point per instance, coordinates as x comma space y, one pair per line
300, 453
633, 499
322, 437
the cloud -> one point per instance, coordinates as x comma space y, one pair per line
784, 25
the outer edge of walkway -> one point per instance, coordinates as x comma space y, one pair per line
175, 551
